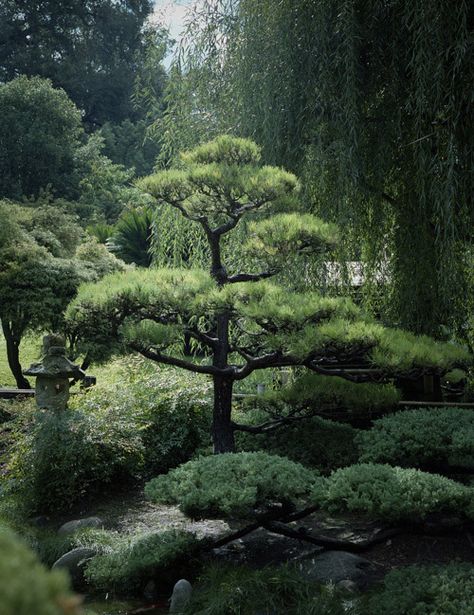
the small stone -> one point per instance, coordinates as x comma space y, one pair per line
150, 593
40, 521
181, 596
79, 524
73, 561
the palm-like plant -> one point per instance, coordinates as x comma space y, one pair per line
131, 237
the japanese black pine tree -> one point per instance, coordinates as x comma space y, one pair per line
242, 320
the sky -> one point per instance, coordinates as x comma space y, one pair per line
172, 13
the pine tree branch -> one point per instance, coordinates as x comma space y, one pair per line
250, 277
159, 357
327, 542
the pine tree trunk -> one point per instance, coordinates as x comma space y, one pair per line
13, 356
222, 431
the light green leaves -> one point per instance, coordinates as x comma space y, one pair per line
284, 234
224, 149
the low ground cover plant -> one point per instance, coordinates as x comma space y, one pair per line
239, 590
425, 590
128, 562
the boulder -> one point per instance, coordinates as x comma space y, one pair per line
73, 561
79, 524
181, 596
337, 566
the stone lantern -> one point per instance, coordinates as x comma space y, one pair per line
52, 375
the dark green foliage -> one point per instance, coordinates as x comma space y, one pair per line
393, 494
232, 484
130, 239
133, 561
100, 231
314, 442
421, 437
27, 587
170, 411
69, 455
332, 395
239, 591
425, 590
40, 130
90, 49
106, 188
127, 144
374, 112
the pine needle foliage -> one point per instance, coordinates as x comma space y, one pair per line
392, 493
241, 321
233, 485
421, 437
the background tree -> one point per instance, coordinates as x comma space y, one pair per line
245, 322
371, 104
41, 267
90, 49
40, 132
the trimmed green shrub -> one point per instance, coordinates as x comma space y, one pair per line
426, 590
331, 393
231, 484
393, 494
129, 563
314, 442
27, 587
240, 590
69, 455
421, 437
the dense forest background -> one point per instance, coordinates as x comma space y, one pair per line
369, 103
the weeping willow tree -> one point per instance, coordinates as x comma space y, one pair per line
371, 104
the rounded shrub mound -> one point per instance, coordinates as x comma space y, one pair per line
232, 484
426, 590
393, 494
27, 587
421, 437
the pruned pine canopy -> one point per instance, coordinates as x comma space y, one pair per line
266, 325
150, 310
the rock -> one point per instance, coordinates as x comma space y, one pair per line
181, 596
150, 593
339, 566
79, 524
40, 521
73, 561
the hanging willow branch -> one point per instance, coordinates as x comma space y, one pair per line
366, 100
